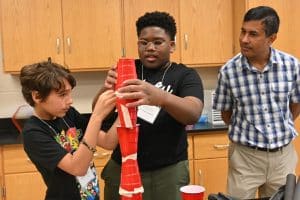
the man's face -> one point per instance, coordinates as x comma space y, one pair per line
154, 47
253, 39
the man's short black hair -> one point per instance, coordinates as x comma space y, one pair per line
268, 16
159, 19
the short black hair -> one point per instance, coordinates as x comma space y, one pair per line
44, 77
268, 16
159, 19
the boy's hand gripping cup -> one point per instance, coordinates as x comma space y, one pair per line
126, 70
192, 192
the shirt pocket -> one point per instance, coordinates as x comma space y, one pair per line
281, 90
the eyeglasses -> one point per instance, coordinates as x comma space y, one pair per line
143, 44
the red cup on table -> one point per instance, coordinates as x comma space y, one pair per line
192, 192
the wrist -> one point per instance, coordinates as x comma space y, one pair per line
88, 146
96, 117
163, 98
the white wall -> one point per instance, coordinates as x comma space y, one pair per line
88, 84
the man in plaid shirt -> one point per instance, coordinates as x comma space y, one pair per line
258, 94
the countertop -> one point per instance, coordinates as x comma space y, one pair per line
9, 134
201, 127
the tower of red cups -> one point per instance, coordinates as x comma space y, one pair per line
131, 187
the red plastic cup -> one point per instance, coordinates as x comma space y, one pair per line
192, 192
130, 176
128, 139
126, 70
127, 116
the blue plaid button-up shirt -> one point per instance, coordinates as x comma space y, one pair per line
259, 101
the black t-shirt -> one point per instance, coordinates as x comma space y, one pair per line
45, 153
165, 141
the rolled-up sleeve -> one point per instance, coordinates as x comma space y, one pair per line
223, 99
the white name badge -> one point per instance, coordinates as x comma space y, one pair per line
88, 177
148, 113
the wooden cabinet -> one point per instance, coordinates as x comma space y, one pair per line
22, 181
210, 161
206, 31
83, 35
204, 28
289, 29
207, 162
133, 9
24, 186
92, 33
31, 31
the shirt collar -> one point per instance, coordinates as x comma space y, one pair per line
272, 61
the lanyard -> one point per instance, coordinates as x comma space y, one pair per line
168, 65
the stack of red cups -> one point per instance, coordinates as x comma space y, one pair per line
131, 187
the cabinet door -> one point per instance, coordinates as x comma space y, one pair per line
133, 9
212, 174
101, 157
31, 32
214, 144
289, 29
210, 160
206, 31
92, 33
24, 186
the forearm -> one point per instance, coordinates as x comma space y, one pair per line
186, 110
109, 140
78, 162
295, 110
226, 116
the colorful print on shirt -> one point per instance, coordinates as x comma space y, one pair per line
69, 141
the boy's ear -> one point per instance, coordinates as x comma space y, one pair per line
36, 97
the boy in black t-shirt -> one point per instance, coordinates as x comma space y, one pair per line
57, 139
169, 96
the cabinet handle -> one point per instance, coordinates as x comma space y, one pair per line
3, 191
69, 44
200, 177
186, 39
123, 52
57, 45
221, 146
102, 155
